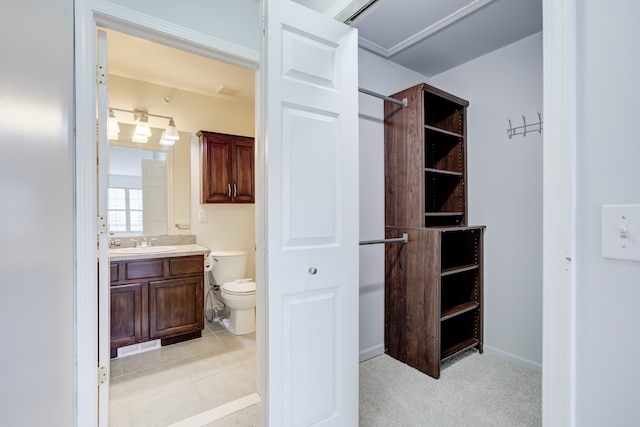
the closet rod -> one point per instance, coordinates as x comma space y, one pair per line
403, 239
386, 98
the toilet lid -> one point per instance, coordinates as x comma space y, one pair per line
239, 287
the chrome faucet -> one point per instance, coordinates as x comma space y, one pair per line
143, 242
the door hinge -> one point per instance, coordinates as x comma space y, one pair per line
102, 225
102, 374
101, 76
264, 24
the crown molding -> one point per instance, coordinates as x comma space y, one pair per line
425, 33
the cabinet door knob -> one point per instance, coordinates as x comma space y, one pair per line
313, 270
235, 190
228, 190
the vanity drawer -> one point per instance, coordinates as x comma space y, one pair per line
186, 265
115, 272
143, 269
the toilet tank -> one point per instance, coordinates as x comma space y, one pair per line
228, 265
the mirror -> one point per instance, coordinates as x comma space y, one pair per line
149, 185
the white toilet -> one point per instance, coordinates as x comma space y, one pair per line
236, 292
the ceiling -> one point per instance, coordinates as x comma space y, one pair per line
433, 36
427, 36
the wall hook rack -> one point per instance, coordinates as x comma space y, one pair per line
525, 128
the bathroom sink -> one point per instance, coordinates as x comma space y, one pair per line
145, 250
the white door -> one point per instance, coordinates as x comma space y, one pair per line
104, 291
309, 71
155, 207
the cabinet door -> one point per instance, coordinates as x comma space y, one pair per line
216, 168
126, 315
243, 170
176, 307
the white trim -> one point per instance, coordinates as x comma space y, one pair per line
425, 33
138, 24
206, 417
86, 285
512, 358
88, 14
559, 213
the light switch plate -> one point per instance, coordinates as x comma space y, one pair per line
621, 232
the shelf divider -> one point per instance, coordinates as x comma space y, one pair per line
458, 310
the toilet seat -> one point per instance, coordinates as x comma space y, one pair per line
239, 287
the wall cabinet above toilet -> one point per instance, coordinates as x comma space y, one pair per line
227, 168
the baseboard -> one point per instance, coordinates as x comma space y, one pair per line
512, 358
370, 352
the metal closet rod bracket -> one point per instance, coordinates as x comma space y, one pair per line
402, 102
403, 239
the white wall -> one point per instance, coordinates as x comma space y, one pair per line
234, 21
384, 77
36, 219
608, 152
505, 191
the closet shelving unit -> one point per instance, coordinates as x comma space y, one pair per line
433, 293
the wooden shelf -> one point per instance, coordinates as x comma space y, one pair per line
435, 214
443, 172
445, 132
461, 269
458, 348
458, 309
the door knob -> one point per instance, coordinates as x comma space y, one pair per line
313, 270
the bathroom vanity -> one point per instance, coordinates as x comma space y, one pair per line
157, 296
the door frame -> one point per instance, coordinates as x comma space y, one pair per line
559, 335
559, 213
90, 14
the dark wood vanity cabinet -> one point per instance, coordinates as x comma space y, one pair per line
228, 170
159, 298
126, 315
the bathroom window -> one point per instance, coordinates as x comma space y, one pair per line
125, 210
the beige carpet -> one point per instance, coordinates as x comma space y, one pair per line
473, 390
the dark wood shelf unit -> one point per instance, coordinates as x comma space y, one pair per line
433, 283
433, 294
428, 135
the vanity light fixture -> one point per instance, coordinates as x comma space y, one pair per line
142, 131
166, 141
113, 127
171, 133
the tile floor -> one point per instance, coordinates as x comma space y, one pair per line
163, 386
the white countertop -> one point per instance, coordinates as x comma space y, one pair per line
181, 250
